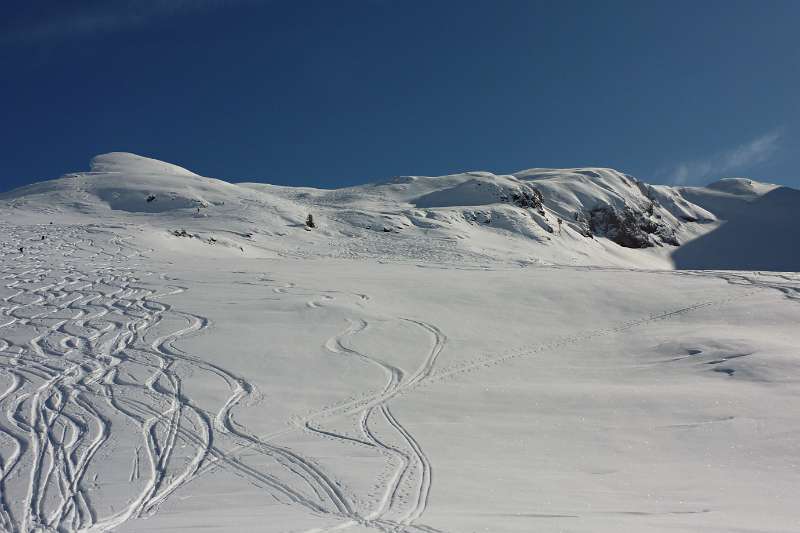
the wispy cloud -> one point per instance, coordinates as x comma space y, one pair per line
74, 19
735, 160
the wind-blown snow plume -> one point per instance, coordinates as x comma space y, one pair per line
735, 160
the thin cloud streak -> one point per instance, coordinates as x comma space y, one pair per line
738, 159
105, 17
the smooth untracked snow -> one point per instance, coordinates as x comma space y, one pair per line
209, 364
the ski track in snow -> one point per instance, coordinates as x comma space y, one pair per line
76, 361
412, 466
88, 363
410, 452
75, 354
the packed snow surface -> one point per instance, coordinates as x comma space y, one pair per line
465, 353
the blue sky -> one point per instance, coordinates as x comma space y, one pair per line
333, 93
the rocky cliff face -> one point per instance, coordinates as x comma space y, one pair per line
631, 228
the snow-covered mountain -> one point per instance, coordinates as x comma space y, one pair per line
179, 353
590, 216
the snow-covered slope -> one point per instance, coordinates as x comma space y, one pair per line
127, 182
727, 197
178, 353
759, 234
132, 164
588, 216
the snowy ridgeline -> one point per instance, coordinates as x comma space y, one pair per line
589, 216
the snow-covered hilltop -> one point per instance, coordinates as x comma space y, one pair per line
587, 216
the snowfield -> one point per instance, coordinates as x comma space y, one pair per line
551, 350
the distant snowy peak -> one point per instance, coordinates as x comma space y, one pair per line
129, 182
742, 186
127, 163
727, 197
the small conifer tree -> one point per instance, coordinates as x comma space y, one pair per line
310, 222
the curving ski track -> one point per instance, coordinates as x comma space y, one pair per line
412, 466
76, 359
